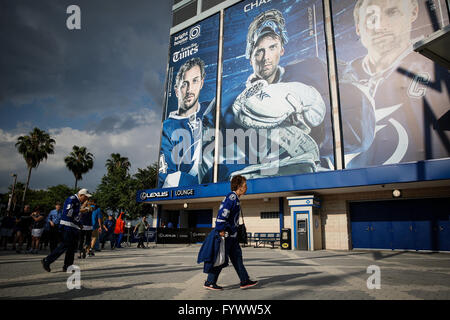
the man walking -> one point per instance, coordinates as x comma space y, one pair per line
86, 231
22, 227
97, 222
70, 226
226, 225
141, 227
108, 233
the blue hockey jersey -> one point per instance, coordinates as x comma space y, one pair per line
71, 216
228, 216
180, 156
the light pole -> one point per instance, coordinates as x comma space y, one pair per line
12, 192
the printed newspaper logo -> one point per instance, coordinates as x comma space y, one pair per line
194, 33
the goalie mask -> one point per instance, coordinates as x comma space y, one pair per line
268, 22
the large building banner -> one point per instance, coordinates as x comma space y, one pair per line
189, 115
275, 111
394, 102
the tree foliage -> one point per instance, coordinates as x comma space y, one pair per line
45, 199
79, 161
117, 190
34, 148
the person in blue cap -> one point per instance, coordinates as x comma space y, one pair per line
227, 223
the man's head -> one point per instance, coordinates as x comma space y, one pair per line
110, 217
188, 83
58, 206
83, 195
27, 208
239, 184
385, 25
266, 39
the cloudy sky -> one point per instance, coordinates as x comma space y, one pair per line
100, 87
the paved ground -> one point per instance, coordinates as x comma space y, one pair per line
171, 273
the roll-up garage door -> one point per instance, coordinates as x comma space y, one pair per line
414, 224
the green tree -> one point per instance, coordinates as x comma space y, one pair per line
117, 162
147, 178
113, 189
45, 199
117, 190
34, 148
79, 161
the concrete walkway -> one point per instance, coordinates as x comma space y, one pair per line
171, 273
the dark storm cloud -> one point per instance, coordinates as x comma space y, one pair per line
118, 56
100, 87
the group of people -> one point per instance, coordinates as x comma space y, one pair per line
32, 227
81, 224
76, 226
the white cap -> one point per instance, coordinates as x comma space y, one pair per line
85, 192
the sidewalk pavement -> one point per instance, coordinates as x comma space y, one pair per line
171, 272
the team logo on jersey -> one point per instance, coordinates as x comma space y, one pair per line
232, 197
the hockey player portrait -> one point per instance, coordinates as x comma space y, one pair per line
285, 104
180, 157
408, 93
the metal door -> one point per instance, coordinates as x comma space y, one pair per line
302, 235
413, 224
442, 230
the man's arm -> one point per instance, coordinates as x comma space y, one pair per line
50, 219
100, 222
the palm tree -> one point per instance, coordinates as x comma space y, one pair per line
34, 148
79, 161
117, 162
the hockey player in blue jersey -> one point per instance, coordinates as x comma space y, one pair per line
70, 226
180, 159
226, 225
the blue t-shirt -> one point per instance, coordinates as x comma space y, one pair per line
97, 214
109, 224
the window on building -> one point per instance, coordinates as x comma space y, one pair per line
184, 13
177, 1
208, 4
270, 215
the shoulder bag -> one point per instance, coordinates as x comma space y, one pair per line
242, 231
